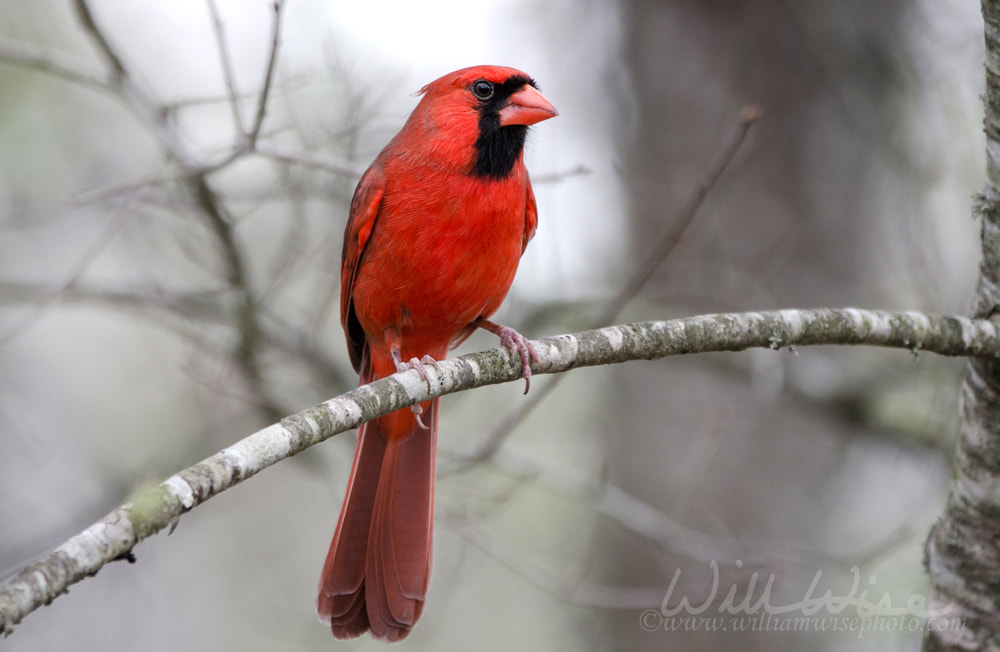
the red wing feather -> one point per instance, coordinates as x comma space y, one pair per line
530, 218
364, 209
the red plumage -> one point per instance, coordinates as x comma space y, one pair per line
437, 226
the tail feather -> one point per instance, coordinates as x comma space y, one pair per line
377, 570
342, 580
411, 513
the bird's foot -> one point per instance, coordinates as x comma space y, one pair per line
420, 366
517, 343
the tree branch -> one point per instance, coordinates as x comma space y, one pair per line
227, 66
193, 309
272, 60
211, 207
114, 536
59, 65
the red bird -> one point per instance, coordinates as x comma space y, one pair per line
437, 226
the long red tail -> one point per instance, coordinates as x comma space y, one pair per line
377, 570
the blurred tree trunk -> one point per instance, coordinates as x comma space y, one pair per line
813, 70
963, 550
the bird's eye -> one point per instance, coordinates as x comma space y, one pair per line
482, 89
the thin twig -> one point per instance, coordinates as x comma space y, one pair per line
341, 167
28, 56
289, 83
574, 591
90, 254
246, 354
132, 96
194, 309
211, 207
654, 525
561, 175
748, 116
87, 19
272, 60
227, 66
97, 195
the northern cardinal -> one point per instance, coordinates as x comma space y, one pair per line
437, 226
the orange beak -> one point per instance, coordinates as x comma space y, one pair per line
526, 107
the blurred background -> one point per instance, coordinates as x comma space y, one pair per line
165, 292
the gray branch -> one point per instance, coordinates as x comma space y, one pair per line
114, 536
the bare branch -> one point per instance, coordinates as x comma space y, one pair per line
76, 273
654, 525
28, 56
211, 207
131, 95
748, 117
246, 354
87, 19
194, 308
341, 167
561, 175
173, 106
272, 60
96, 195
227, 65
575, 591
338, 167
115, 535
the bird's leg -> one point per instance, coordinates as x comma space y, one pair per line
393, 341
517, 343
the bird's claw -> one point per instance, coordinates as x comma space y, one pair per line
420, 366
520, 346
417, 411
